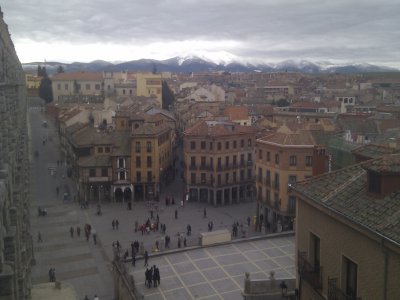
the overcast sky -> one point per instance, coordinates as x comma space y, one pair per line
248, 30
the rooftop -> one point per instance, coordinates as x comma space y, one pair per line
218, 128
374, 150
345, 192
82, 75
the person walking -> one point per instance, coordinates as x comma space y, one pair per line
78, 231
71, 231
176, 214
113, 224
94, 236
51, 275
116, 224
146, 258
184, 242
204, 213
189, 229
133, 258
39, 237
248, 221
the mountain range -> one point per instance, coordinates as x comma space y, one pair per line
196, 64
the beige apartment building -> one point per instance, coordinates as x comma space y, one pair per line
347, 227
218, 162
281, 159
77, 87
149, 85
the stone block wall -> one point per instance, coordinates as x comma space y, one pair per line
16, 252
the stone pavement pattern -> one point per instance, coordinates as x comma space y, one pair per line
217, 272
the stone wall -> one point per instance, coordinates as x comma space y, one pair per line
16, 252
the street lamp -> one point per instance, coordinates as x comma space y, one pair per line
100, 189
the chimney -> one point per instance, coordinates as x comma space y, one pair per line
320, 162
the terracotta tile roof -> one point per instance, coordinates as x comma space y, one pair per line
345, 192
150, 129
82, 75
374, 151
91, 136
218, 128
236, 113
307, 105
301, 137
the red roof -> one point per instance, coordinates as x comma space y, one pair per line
82, 75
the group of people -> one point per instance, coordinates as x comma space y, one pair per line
152, 276
235, 228
168, 201
52, 275
115, 224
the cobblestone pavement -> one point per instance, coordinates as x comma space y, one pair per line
82, 263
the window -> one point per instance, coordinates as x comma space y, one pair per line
308, 161
122, 175
100, 149
235, 160
138, 162
87, 86
234, 144
203, 178
293, 160
148, 147
203, 145
226, 177
227, 161
193, 161
268, 177
192, 145
104, 172
137, 147
138, 176
260, 154
219, 179
149, 176
292, 179
259, 177
149, 162
97, 86
203, 161
219, 146
121, 163
268, 156
211, 145
292, 204
249, 142
277, 158
276, 185
66, 87
249, 174
242, 159
59, 86
107, 149
241, 143
241, 175
268, 197
315, 249
92, 172
211, 162
193, 178
219, 164
249, 157
350, 277
234, 176
227, 145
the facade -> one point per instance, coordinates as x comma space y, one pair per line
281, 159
16, 247
149, 85
218, 162
347, 226
77, 87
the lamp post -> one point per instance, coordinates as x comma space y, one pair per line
100, 189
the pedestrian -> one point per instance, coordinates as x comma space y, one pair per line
179, 241
176, 214
164, 228
94, 237
51, 275
189, 229
155, 281
86, 298
157, 245
71, 231
151, 214
158, 218
116, 224
78, 231
113, 224
157, 271
248, 221
146, 258
204, 213
136, 225
133, 258
184, 242
39, 237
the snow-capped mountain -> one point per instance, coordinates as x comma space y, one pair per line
196, 64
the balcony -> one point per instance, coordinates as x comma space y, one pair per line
242, 164
249, 163
310, 273
228, 167
335, 293
219, 168
192, 167
268, 181
203, 167
275, 184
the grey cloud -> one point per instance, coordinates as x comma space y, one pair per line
343, 29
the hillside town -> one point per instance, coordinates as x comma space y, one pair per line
226, 185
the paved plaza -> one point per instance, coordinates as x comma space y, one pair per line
217, 272
87, 267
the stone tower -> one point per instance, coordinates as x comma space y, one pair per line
16, 252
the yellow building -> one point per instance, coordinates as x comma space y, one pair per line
149, 85
218, 160
347, 232
283, 158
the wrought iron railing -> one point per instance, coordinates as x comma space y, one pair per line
309, 272
335, 293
